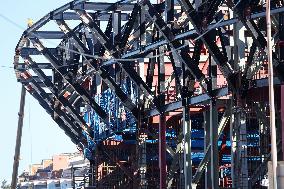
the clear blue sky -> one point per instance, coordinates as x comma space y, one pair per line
44, 135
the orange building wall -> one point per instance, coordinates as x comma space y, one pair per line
46, 163
60, 162
34, 168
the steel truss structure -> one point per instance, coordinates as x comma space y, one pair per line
159, 95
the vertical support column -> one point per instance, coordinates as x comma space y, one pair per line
96, 50
206, 143
92, 173
234, 149
239, 46
187, 168
243, 150
214, 145
142, 153
261, 127
162, 151
238, 155
18, 139
169, 10
142, 42
272, 118
197, 4
73, 177
281, 57
239, 167
116, 25
162, 125
213, 122
282, 119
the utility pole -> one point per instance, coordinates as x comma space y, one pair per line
18, 139
271, 97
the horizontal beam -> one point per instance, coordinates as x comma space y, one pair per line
36, 78
74, 16
26, 51
23, 66
98, 6
264, 82
193, 100
217, 93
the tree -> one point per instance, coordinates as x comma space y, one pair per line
4, 185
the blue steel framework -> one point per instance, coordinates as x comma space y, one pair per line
92, 84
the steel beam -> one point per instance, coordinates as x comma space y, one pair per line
76, 86
214, 146
187, 165
61, 99
184, 58
105, 41
204, 162
126, 101
187, 34
162, 125
64, 122
259, 39
206, 37
191, 101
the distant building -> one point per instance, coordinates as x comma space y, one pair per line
34, 168
55, 173
47, 163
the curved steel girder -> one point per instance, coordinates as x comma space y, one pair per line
139, 52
